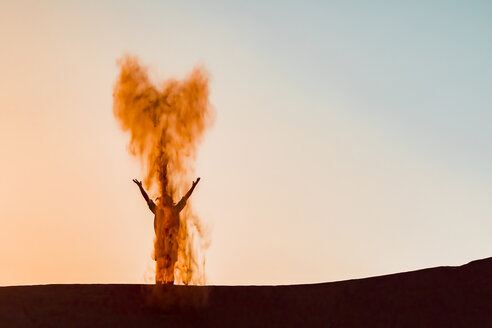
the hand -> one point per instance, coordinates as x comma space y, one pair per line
139, 183
196, 182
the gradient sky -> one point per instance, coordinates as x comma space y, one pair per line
352, 137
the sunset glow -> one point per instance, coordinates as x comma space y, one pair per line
345, 143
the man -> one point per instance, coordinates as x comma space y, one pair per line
166, 227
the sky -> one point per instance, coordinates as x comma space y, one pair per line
352, 138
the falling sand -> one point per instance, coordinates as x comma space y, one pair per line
166, 124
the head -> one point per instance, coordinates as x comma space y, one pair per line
164, 200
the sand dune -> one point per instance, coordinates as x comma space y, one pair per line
436, 297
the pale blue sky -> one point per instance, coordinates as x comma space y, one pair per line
352, 138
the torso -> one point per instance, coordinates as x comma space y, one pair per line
166, 227
165, 218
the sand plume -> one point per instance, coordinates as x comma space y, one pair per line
166, 123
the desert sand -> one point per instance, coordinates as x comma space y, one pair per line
436, 297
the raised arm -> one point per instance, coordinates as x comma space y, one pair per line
145, 196
183, 200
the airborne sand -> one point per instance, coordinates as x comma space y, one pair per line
436, 297
166, 123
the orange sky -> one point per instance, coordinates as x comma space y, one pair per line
326, 162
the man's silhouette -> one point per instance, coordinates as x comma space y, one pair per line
166, 227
